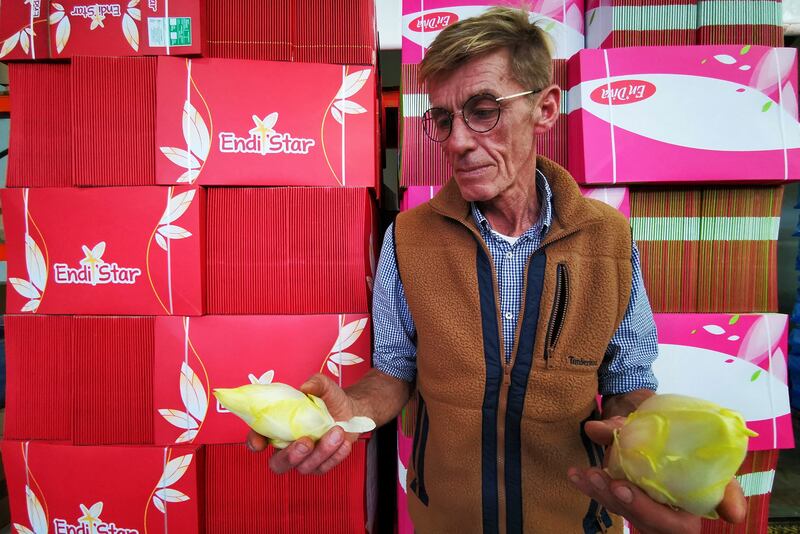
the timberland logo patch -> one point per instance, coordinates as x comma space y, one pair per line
582, 362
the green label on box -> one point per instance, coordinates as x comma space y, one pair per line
180, 31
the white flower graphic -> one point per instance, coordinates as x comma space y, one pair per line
348, 334
176, 207
195, 402
351, 84
198, 145
266, 378
36, 515
60, 17
37, 276
91, 515
93, 258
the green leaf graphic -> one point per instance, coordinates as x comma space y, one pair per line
755, 375
591, 19
766, 106
734, 319
745, 49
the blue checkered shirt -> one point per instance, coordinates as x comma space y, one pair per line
630, 354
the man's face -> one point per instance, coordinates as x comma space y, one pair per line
486, 165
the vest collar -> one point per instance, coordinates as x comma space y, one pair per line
570, 210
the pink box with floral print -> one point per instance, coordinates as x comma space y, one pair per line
736, 361
684, 114
423, 20
193, 356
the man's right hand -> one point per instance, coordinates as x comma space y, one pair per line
332, 448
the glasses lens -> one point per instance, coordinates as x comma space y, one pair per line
481, 112
437, 122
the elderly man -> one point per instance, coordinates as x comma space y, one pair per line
511, 301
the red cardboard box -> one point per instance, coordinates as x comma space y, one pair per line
121, 490
193, 356
244, 496
232, 122
290, 250
126, 251
23, 29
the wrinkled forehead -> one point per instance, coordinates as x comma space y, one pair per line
487, 74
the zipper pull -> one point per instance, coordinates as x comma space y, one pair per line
506, 374
547, 356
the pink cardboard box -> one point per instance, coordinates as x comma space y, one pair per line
736, 361
92, 490
111, 250
616, 197
683, 114
236, 122
195, 356
424, 19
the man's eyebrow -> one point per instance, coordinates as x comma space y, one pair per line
487, 92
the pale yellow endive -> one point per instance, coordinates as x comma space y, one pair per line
283, 414
681, 450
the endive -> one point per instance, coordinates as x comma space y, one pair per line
284, 414
681, 450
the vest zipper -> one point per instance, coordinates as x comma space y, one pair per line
558, 312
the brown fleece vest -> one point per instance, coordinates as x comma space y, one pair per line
493, 441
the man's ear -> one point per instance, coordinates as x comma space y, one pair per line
547, 109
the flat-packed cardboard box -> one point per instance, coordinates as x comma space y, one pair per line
63, 488
105, 251
736, 361
238, 122
722, 113
194, 356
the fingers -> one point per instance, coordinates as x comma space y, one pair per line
625, 499
336, 458
733, 507
292, 456
602, 432
336, 400
326, 448
256, 442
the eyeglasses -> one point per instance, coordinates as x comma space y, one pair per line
480, 112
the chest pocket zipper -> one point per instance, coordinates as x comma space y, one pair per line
558, 312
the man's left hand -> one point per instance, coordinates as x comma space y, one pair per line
624, 498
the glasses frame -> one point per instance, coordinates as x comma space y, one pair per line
452, 115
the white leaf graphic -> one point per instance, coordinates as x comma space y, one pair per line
188, 177
178, 418
24, 41
345, 358
773, 68
35, 512
25, 288
131, 31
174, 232
789, 99
135, 12
34, 261
187, 436
352, 84
333, 368
714, 329
193, 394
348, 334
337, 115
159, 504
9, 44
174, 470
31, 305
22, 529
266, 378
733, 338
725, 59
99, 249
55, 16
57, 6
180, 157
96, 509
349, 107
269, 121
177, 206
161, 241
778, 365
133, 3
62, 34
195, 132
171, 495
768, 329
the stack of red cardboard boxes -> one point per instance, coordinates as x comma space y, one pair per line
175, 225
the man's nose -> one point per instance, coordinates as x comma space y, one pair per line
462, 138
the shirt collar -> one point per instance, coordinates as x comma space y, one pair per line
545, 213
